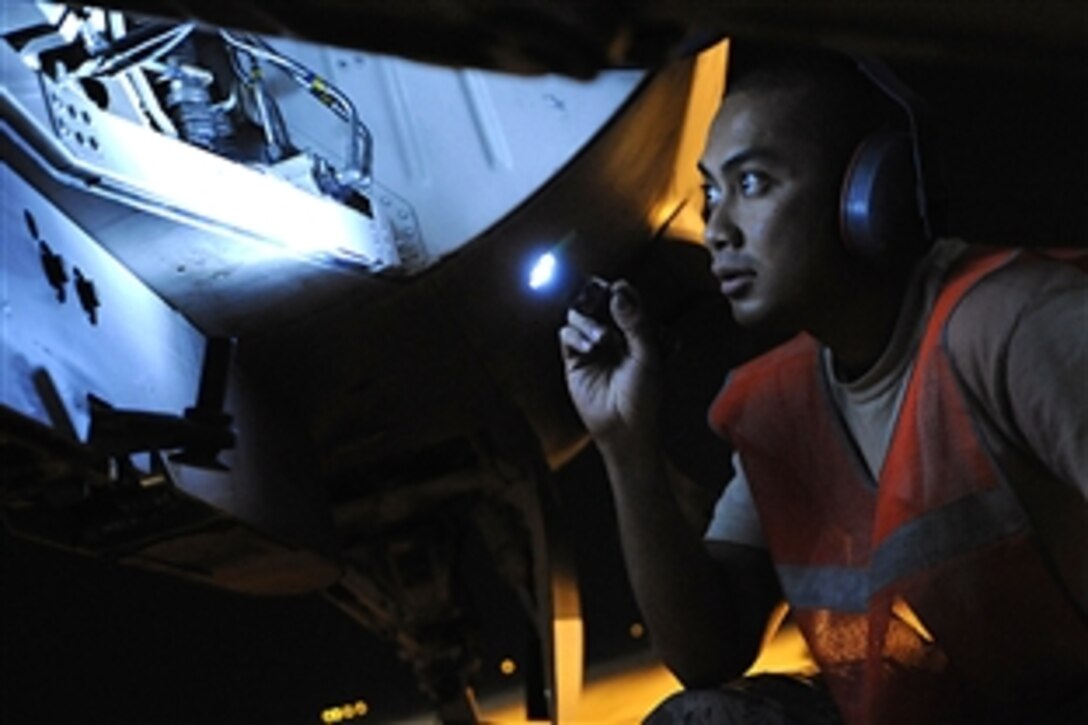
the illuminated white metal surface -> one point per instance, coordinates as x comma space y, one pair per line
157, 174
237, 250
152, 210
463, 147
138, 353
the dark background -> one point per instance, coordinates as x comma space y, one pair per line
86, 641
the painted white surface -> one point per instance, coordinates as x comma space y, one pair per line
463, 147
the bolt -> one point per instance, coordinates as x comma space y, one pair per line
88, 297
53, 266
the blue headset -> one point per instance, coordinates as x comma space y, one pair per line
888, 191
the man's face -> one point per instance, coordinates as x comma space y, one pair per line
771, 210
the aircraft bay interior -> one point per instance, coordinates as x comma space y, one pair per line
274, 325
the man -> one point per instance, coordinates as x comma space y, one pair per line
911, 469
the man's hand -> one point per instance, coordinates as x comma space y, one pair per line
612, 372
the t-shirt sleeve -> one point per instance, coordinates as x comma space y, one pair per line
735, 518
1021, 342
1048, 382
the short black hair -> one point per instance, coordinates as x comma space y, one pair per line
845, 104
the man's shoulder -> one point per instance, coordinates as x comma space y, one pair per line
1027, 314
991, 310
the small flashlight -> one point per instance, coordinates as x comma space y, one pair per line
589, 296
593, 300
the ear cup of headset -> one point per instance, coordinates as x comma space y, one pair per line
880, 215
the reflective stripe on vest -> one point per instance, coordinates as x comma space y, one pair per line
942, 535
968, 524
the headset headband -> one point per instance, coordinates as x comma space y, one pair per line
918, 115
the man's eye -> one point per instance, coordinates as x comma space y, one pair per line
753, 183
712, 196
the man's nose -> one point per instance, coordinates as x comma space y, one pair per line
720, 232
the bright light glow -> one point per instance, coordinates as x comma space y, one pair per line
349, 711
508, 667
902, 610
543, 271
637, 630
266, 207
270, 216
627, 691
568, 638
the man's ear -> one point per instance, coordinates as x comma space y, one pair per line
879, 215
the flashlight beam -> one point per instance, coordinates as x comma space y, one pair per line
543, 271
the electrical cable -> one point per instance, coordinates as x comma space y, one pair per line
276, 135
113, 63
360, 156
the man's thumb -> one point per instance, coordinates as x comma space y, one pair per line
626, 308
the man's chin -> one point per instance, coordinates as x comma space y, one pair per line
760, 320
748, 313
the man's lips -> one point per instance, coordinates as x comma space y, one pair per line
734, 280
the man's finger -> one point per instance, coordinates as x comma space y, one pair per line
592, 329
574, 343
625, 305
628, 313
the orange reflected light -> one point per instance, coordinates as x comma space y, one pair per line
628, 692
349, 711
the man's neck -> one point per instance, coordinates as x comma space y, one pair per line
858, 327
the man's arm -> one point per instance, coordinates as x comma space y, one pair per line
1048, 382
1020, 341
706, 614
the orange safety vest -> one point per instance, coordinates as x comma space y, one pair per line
940, 538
